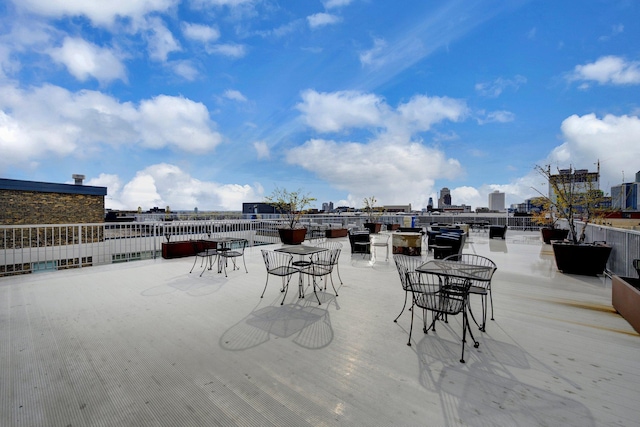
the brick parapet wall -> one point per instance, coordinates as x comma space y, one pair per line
28, 207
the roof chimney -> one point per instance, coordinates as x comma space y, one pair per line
77, 179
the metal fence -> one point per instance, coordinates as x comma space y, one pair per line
42, 247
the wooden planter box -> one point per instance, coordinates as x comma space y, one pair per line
625, 298
336, 232
177, 250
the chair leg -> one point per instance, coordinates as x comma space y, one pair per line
265, 285
194, 264
406, 293
411, 327
338, 270
491, 299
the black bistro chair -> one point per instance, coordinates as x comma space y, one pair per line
406, 264
232, 253
430, 294
204, 251
478, 287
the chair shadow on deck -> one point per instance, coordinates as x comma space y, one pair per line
305, 321
192, 285
488, 391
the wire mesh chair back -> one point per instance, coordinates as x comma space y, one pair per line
430, 294
480, 261
330, 245
278, 264
205, 251
321, 266
478, 287
405, 264
233, 253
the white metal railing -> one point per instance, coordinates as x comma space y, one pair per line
33, 248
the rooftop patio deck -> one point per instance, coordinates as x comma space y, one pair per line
146, 343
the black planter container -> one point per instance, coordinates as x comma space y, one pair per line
290, 236
373, 227
585, 259
549, 234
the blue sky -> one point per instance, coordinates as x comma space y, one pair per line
211, 103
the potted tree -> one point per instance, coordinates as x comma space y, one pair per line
373, 214
575, 197
291, 205
548, 221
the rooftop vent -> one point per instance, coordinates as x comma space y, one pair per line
77, 179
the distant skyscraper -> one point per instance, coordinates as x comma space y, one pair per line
445, 198
327, 206
496, 201
430, 204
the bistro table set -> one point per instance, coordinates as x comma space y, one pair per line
313, 261
222, 249
443, 286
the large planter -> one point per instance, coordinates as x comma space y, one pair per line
293, 236
586, 259
373, 227
549, 234
177, 250
625, 298
336, 232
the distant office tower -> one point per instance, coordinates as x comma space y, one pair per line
626, 196
327, 206
430, 204
496, 201
445, 198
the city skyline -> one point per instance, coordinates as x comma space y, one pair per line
211, 103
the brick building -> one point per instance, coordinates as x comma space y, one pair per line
31, 202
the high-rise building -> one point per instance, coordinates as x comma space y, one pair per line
626, 196
496, 201
327, 206
445, 198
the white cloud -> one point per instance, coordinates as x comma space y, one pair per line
330, 4
230, 3
167, 185
373, 55
500, 116
343, 110
333, 112
234, 95
322, 19
201, 33
84, 60
99, 12
495, 88
160, 40
394, 171
390, 160
612, 140
231, 50
49, 121
608, 70
185, 69
179, 122
262, 149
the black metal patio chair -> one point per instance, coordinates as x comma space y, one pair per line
233, 253
478, 287
429, 293
406, 264
278, 264
204, 251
